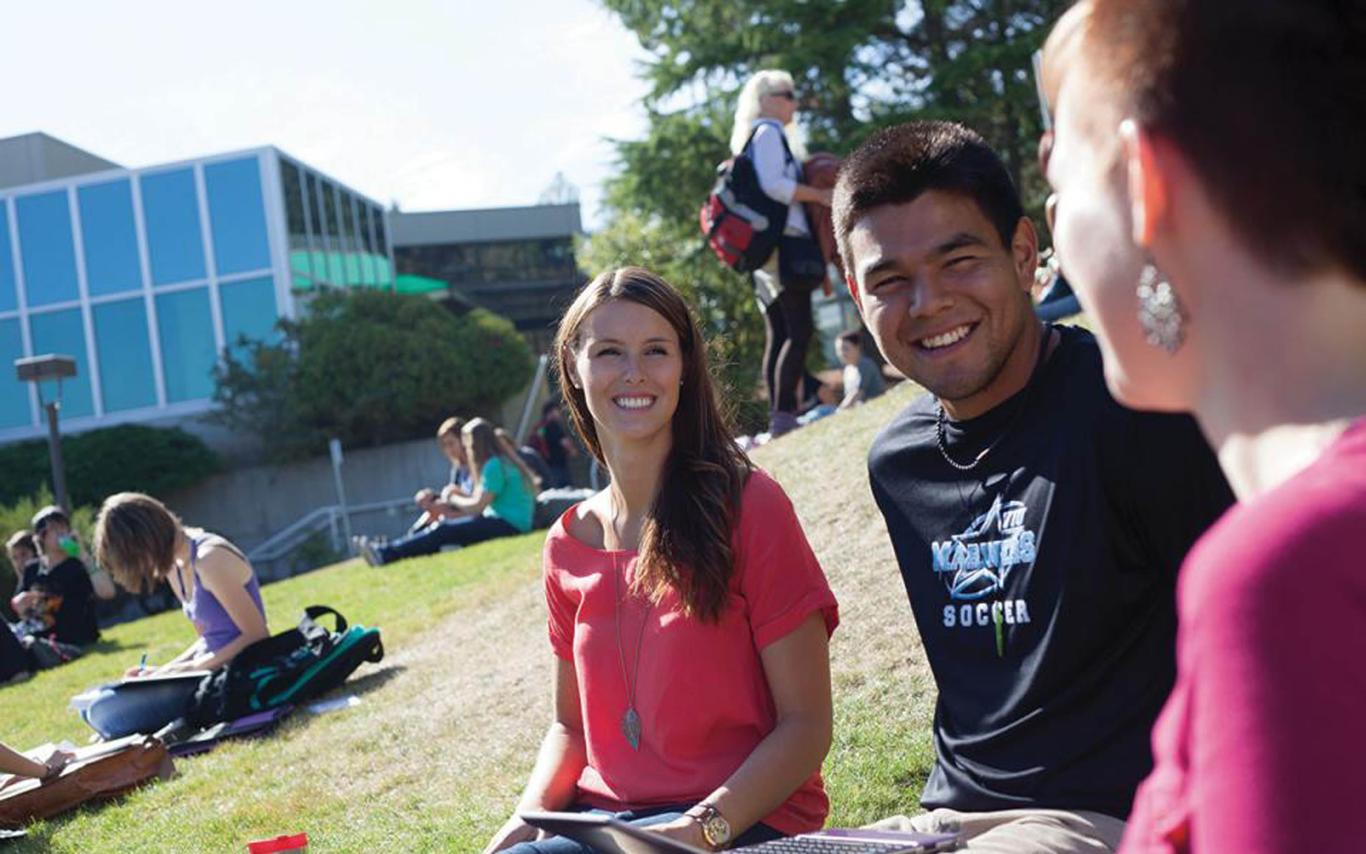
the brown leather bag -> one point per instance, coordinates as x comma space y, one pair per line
98, 772
820, 170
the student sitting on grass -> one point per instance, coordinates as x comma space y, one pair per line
434, 505
502, 504
862, 377
688, 616
56, 595
144, 544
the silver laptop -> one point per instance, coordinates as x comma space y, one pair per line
612, 836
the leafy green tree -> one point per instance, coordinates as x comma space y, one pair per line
859, 65
369, 367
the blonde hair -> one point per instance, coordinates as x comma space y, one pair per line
454, 424
747, 110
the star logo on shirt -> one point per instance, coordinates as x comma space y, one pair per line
978, 561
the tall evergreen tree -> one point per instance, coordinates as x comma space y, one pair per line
859, 65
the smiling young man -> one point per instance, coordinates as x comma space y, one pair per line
1037, 523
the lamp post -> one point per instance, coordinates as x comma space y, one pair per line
37, 370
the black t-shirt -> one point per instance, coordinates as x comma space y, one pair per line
1043, 581
68, 608
552, 435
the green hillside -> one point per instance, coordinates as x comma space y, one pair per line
434, 756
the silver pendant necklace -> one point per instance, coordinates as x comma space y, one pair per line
630, 719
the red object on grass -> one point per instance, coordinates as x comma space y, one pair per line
297, 842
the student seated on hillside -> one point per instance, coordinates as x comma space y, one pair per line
56, 593
688, 617
862, 376
1038, 524
435, 505
143, 544
554, 445
501, 505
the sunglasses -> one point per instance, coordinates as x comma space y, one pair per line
790, 96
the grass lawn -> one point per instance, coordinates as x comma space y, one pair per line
434, 757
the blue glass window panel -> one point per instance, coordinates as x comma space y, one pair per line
14, 400
47, 249
236, 216
9, 297
171, 210
126, 378
109, 238
248, 309
63, 332
188, 353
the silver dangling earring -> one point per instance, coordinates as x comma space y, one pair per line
1160, 311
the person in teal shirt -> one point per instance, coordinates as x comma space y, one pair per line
502, 504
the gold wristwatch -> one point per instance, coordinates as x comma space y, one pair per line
715, 828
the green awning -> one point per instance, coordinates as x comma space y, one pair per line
406, 283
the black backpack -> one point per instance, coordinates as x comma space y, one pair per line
290, 667
742, 223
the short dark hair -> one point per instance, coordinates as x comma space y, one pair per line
549, 407
852, 336
1267, 98
46, 516
896, 164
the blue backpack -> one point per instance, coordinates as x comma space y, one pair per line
291, 667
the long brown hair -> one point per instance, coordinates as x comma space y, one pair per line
135, 539
686, 540
485, 445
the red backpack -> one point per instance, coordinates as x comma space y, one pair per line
742, 223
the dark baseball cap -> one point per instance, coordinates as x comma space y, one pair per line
49, 514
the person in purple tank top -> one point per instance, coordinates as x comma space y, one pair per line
141, 543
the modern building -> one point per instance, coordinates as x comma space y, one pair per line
146, 275
517, 261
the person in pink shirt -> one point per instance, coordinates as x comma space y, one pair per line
1209, 163
688, 616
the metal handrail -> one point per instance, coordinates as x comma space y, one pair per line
282, 542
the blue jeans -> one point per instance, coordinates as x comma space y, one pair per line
139, 707
447, 532
642, 818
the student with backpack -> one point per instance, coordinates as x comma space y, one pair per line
142, 544
764, 130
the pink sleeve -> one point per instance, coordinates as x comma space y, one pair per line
559, 607
780, 579
1278, 711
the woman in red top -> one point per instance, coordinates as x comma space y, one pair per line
1209, 160
688, 616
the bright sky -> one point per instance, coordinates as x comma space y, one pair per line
434, 105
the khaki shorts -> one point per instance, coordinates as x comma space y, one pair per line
1019, 831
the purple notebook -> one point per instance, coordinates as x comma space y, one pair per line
251, 726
